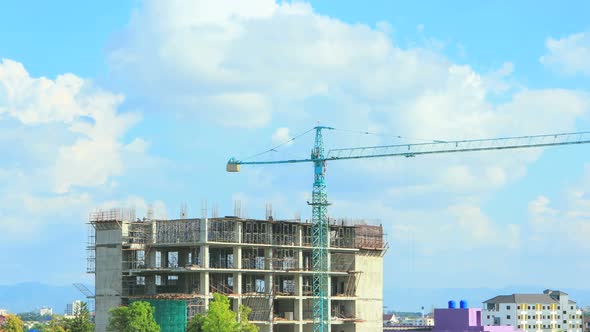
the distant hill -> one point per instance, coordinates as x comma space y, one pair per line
412, 299
26, 297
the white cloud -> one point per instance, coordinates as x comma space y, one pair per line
569, 55
281, 136
62, 139
89, 114
563, 225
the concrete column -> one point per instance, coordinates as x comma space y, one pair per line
203, 236
298, 314
239, 230
268, 258
184, 281
151, 259
150, 283
205, 256
268, 280
164, 258
183, 257
204, 283
299, 327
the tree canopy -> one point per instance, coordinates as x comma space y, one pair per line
13, 323
220, 318
137, 317
81, 322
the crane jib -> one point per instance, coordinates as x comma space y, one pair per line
234, 166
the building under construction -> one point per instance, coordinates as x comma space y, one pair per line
266, 265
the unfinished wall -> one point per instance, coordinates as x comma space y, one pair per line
369, 304
108, 281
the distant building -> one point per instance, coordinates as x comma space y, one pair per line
464, 319
548, 312
586, 322
455, 320
420, 321
46, 311
72, 309
390, 319
3, 312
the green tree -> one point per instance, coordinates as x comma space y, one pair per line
57, 324
137, 317
220, 318
245, 325
13, 323
195, 324
81, 321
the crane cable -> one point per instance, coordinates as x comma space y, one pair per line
274, 148
391, 136
364, 132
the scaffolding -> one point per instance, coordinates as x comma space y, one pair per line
222, 283
222, 230
345, 286
253, 258
258, 297
103, 219
284, 233
91, 250
284, 285
342, 262
369, 237
178, 231
284, 259
221, 258
257, 232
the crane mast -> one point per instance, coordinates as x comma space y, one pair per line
319, 203
320, 236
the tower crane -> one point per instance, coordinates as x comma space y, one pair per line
319, 204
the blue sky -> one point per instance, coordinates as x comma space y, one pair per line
131, 103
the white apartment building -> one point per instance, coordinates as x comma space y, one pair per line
548, 312
73, 308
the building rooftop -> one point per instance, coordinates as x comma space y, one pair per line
522, 298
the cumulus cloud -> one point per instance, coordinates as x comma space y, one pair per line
563, 224
281, 136
93, 153
569, 55
62, 138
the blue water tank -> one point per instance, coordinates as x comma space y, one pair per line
463, 304
452, 305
